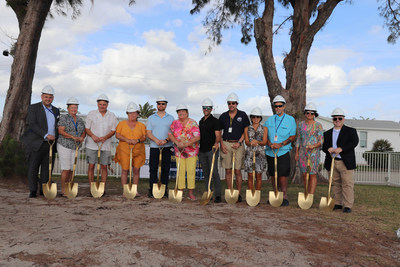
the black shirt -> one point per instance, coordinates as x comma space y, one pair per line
239, 122
207, 132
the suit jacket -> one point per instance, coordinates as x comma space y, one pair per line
36, 128
347, 140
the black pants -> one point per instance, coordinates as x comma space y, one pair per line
205, 159
165, 166
39, 159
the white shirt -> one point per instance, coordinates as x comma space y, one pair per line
100, 126
335, 135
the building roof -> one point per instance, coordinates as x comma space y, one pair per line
369, 124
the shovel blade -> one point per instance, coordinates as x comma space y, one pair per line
275, 200
253, 200
305, 202
175, 197
71, 190
50, 191
205, 198
97, 190
130, 191
326, 204
158, 192
231, 197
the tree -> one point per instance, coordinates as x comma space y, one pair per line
146, 110
31, 15
382, 145
390, 11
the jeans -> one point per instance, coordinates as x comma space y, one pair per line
205, 159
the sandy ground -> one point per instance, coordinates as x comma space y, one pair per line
114, 231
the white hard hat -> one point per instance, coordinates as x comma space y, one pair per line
180, 107
48, 89
256, 112
232, 97
132, 107
102, 97
337, 112
279, 98
161, 98
207, 103
72, 101
311, 107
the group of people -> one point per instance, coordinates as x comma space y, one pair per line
188, 140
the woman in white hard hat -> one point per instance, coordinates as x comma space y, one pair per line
71, 131
185, 133
131, 133
310, 136
255, 136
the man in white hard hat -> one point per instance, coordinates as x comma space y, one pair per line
100, 127
41, 129
233, 123
340, 142
210, 137
281, 133
158, 126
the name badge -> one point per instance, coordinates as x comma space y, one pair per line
229, 129
276, 138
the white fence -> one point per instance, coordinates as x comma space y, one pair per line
375, 168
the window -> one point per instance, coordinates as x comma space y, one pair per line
363, 139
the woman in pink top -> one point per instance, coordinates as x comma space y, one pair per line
185, 134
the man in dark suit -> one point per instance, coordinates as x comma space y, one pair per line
41, 129
340, 141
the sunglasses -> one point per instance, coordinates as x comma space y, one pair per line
335, 119
278, 106
252, 117
207, 108
232, 103
310, 113
161, 103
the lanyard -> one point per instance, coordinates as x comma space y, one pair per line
49, 110
276, 129
75, 124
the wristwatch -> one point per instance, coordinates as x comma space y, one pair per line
138, 140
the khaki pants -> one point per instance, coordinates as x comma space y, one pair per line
226, 162
343, 185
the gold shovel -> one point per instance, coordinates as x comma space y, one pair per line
130, 189
305, 200
328, 203
159, 188
71, 189
252, 195
175, 195
49, 188
231, 195
207, 195
97, 188
275, 197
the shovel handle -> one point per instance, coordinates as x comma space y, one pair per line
212, 168
51, 143
159, 167
130, 165
276, 170
233, 168
98, 161
330, 176
77, 145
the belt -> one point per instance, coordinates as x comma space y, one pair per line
231, 141
338, 159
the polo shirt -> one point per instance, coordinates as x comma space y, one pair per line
239, 122
159, 127
283, 127
207, 132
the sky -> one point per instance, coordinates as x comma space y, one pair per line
155, 47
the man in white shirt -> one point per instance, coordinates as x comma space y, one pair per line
100, 127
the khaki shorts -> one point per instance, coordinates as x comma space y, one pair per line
226, 159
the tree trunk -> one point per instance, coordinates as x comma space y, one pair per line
23, 68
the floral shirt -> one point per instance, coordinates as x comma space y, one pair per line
75, 129
184, 134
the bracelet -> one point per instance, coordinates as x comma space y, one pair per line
166, 140
138, 140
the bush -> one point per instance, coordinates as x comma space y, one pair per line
12, 158
382, 145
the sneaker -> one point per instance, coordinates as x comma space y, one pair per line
285, 203
217, 200
337, 207
347, 210
240, 198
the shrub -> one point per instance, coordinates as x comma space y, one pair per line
12, 158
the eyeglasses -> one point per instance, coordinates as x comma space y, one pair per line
278, 106
232, 103
337, 118
161, 103
310, 113
207, 108
252, 117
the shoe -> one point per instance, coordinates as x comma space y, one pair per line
240, 198
217, 200
285, 203
337, 207
268, 202
166, 193
41, 192
32, 194
150, 195
347, 210
192, 198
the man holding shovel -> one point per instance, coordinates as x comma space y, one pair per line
340, 141
281, 133
42, 121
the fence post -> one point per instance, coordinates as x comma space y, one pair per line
389, 166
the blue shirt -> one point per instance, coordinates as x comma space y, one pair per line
51, 121
282, 127
159, 127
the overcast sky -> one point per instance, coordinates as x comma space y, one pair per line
135, 53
